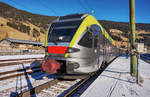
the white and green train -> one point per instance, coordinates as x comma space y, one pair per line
77, 44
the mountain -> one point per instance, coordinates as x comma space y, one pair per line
19, 24
120, 31
14, 23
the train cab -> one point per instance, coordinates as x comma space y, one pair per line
75, 44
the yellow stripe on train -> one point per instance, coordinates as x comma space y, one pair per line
88, 21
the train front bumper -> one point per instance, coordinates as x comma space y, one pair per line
73, 65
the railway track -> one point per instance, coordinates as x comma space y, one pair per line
15, 73
17, 61
52, 88
18, 72
61, 88
80, 87
145, 57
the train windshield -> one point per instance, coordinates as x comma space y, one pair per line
63, 31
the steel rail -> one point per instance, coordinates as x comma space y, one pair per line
18, 70
16, 63
37, 89
15, 75
94, 75
20, 59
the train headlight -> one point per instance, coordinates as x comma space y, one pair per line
73, 65
72, 50
76, 65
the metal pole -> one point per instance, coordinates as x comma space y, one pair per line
133, 49
137, 75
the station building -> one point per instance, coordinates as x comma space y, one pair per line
14, 46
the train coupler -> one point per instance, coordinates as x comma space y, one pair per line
50, 66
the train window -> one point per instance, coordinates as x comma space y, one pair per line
86, 40
95, 29
95, 41
68, 23
71, 16
63, 31
62, 34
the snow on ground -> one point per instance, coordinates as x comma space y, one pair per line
11, 86
24, 82
21, 56
116, 81
21, 83
13, 67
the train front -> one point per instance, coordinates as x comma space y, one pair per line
70, 45
58, 39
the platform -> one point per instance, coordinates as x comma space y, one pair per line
116, 81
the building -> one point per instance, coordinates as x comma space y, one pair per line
18, 46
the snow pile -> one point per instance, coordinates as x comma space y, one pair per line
21, 56
116, 81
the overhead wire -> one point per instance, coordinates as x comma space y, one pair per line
81, 4
52, 10
25, 7
19, 4
73, 9
90, 8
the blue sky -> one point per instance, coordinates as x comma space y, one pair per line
114, 10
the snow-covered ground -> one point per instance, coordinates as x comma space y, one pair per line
116, 81
17, 66
20, 83
21, 56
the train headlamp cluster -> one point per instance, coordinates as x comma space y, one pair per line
74, 65
71, 50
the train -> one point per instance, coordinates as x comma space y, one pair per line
77, 44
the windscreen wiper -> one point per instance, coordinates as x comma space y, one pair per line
53, 39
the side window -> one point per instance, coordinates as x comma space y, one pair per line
95, 41
86, 40
95, 29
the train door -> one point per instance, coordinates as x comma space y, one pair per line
102, 47
96, 43
105, 49
87, 42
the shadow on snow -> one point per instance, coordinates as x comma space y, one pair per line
36, 75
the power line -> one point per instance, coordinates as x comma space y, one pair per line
90, 8
81, 4
87, 7
74, 10
52, 10
19, 4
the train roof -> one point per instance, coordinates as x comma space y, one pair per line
71, 17
82, 16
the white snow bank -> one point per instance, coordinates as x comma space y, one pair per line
21, 56
116, 81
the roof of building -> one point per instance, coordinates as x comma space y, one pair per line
25, 42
